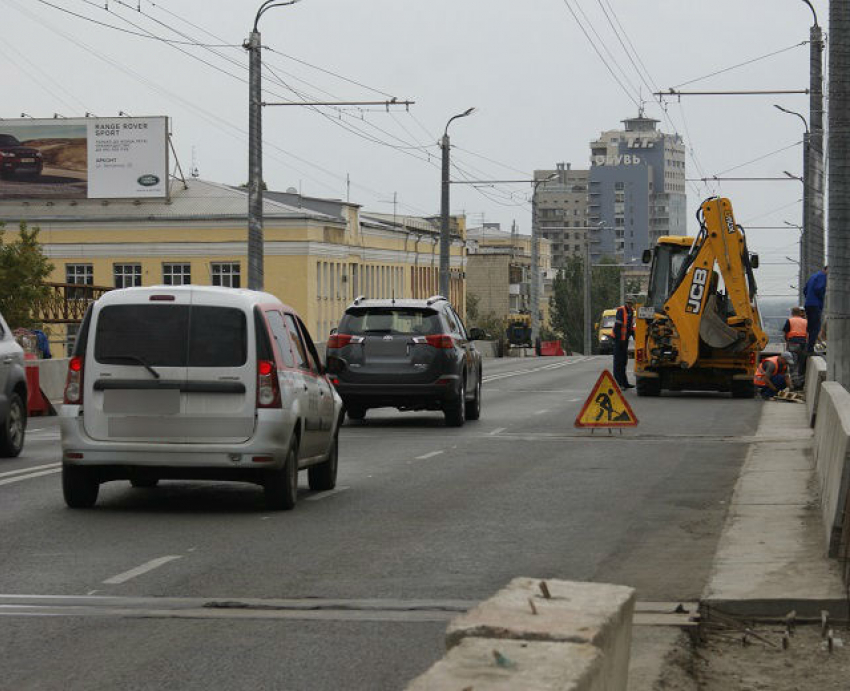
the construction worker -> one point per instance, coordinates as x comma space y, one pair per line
815, 292
624, 328
796, 337
774, 374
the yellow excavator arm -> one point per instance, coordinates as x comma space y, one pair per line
730, 321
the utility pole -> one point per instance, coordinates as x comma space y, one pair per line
536, 282
588, 321
255, 163
838, 286
813, 241
445, 238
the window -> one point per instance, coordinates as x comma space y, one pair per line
227, 275
619, 186
79, 273
298, 351
281, 335
176, 274
390, 320
172, 336
127, 275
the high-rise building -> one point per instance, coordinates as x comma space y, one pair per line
561, 208
636, 189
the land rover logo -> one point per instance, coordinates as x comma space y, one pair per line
148, 180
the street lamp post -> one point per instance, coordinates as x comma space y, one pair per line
444, 207
808, 190
801, 277
255, 148
534, 297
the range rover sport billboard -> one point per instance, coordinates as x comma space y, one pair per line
84, 158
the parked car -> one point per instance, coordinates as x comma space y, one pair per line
15, 158
189, 382
406, 354
13, 394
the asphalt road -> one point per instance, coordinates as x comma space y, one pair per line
196, 586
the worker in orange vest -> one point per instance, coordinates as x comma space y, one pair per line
773, 375
624, 328
796, 337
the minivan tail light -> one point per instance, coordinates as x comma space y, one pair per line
268, 387
74, 381
443, 341
339, 340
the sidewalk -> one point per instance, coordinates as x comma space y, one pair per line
771, 557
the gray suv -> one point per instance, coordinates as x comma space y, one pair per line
406, 354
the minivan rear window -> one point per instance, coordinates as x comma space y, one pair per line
172, 335
390, 320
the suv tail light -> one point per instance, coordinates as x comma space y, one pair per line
74, 381
339, 340
268, 387
440, 341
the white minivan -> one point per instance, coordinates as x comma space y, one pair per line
191, 382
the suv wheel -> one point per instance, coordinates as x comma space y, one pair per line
281, 486
322, 477
473, 407
79, 486
13, 428
455, 411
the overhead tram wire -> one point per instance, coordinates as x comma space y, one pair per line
213, 119
35, 79
756, 160
118, 28
739, 65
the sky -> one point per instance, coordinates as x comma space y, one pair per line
538, 73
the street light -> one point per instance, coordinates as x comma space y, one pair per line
801, 276
444, 206
534, 298
255, 148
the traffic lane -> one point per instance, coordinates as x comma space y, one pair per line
40, 447
221, 654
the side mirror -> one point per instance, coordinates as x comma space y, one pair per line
335, 365
646, 257
476, 334
754, 260
333, 331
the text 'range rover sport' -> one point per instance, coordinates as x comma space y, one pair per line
405, 354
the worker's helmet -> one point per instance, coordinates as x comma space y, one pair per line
788, 357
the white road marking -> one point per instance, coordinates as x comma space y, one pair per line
29, 469
325, 495
20, 478
91, 592
498, 430
540, 412
139, 570
429, 455
574, 400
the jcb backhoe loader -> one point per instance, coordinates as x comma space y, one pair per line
693, 332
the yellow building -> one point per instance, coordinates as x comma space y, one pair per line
319, 254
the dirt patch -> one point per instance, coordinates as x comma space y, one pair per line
724, 663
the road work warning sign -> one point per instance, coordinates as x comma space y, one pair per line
606, 406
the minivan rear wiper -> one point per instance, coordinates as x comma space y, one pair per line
132, 358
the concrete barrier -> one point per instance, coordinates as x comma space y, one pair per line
52, 375
488, 349
815, 376
575, 619
832, 463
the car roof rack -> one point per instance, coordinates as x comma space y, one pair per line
435, 298
359, 299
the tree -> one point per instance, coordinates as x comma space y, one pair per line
23, 270
567, 301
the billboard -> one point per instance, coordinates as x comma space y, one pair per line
84, 158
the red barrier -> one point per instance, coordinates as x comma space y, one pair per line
551, 348
37, 404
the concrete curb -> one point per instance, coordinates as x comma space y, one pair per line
815, 376
580, 622
832, 460
771, 556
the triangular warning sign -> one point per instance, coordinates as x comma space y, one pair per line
606, 406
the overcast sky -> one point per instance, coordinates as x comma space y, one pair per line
541, 90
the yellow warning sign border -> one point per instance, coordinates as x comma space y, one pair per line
590, 399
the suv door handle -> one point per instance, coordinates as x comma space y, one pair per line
7, 361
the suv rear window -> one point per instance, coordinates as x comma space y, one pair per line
172, 335
390, 320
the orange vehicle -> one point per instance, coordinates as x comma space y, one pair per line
700, 327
